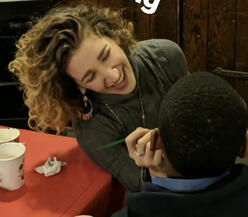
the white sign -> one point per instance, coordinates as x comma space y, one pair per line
148, 7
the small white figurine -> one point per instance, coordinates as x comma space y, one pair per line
51, 167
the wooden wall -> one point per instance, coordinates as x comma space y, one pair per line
162, 24
212, 33
215, 33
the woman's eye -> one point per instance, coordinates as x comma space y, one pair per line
107, 55
92, 77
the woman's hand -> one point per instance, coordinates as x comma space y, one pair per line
138, 145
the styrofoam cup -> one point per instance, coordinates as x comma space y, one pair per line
12, 156
9, 135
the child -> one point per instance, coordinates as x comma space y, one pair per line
202, 124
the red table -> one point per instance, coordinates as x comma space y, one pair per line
81, 186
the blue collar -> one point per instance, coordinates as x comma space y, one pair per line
186, 185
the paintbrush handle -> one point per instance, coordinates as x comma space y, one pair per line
111, 144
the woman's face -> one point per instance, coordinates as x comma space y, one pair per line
101, 65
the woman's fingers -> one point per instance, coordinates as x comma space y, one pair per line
145, 160
151, 158
142, 142
132, 139
138, 144
154, 139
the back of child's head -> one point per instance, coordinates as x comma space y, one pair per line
202, 124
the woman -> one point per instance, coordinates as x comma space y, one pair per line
81, 65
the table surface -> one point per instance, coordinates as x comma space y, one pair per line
81, 186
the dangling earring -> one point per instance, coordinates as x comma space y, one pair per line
87, 109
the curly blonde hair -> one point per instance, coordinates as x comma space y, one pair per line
52, 96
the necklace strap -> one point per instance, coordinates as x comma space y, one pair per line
117, 117
143, 116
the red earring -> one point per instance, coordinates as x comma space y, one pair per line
87, 109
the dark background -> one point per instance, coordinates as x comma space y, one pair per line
15, 19
212, 34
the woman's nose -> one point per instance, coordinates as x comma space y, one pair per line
111, 77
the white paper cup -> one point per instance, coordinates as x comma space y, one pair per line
9, 135
12, 165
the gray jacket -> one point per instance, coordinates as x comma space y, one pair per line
157, 65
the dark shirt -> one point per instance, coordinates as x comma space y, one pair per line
157, 65
225, 198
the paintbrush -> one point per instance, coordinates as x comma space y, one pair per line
154, 145
111, 144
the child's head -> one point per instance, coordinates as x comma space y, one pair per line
202, 124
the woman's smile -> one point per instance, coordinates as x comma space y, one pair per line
122, 82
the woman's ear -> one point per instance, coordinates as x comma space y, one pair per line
244, 149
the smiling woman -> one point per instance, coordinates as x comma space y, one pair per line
107, 69
81, 65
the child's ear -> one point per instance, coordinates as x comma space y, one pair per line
244, 149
